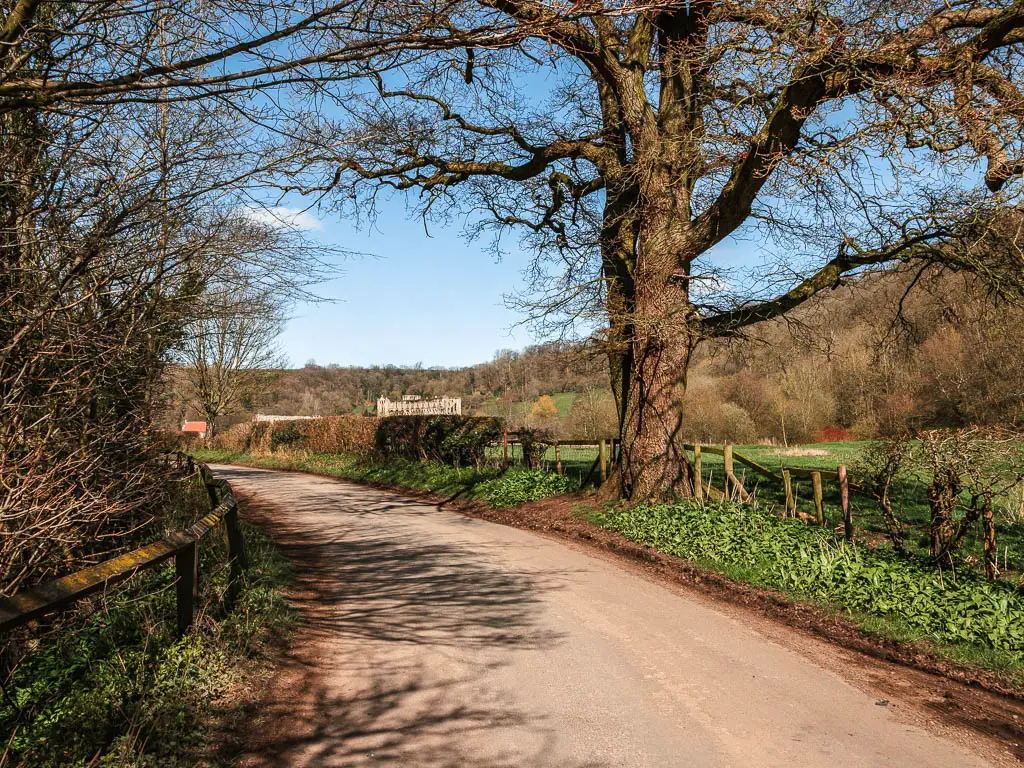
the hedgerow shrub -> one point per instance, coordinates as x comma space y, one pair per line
234, 438
330, 434
833, 435
457, 440
285, 435
535, 443
258, 438
339, 434
811, 562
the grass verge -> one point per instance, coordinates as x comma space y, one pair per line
494, 487
115, 687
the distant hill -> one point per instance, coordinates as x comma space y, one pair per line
505, 386
866, 359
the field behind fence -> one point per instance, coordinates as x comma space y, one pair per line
813, 490
725, 473
588, 462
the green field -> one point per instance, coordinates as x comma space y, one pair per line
580, 459
578, 462
563, 402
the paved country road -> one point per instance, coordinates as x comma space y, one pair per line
428, 638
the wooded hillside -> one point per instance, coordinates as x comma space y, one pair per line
846, 365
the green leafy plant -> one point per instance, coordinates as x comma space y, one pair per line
115, 687
518, 486
751, 544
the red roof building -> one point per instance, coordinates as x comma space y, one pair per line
198, 427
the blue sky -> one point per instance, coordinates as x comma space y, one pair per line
434, 300
414, 298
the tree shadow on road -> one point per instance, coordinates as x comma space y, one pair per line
395, 637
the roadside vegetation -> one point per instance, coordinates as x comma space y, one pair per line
114, 686
494, 487
897, 597
127, 229
907, 494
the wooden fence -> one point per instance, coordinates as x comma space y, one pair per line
32, 604
732, 487
605, 454
599, 455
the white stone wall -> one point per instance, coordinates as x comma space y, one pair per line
443, 406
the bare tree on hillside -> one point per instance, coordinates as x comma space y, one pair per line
853, 135
230, 357
592, 416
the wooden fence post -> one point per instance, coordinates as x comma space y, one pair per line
844, 495
698, 474
40, 603
236, 554
504, 444
211, 488
601, 455
186, 585
211, 491
727, 460
819, 503
991, 550
787, 484
558, 458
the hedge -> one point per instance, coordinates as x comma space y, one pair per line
460, 441
330, 434
457, 440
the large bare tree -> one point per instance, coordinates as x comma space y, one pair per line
629, 141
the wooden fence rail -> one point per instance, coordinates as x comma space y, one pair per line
31, 604
732, 485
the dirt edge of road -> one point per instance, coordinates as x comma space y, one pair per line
959, 697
